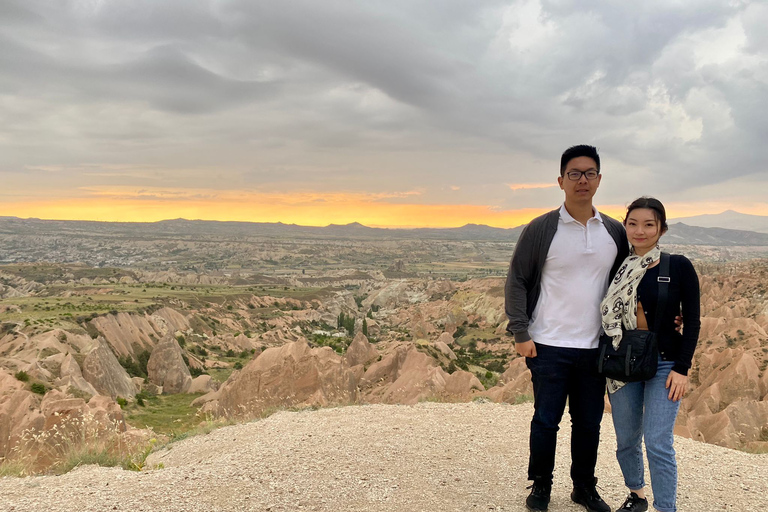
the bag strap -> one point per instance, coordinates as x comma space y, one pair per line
663, 281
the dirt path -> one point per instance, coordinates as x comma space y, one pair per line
428, 457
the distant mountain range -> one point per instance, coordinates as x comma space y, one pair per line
679, 232
728, 219
191, 228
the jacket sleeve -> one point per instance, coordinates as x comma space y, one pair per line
691, 310
519, 281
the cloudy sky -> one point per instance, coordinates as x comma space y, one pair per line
390, 113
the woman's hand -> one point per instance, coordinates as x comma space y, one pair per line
676, 384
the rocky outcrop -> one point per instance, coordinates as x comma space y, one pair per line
743, 423
360, 351
127, 332
202, 384
728, 407
293, 374
19, 411
166, 368
445, 350
407, 376
72, 377
102, 371
513, 383
170, 320
445, 338
40, 428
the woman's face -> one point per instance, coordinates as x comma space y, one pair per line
643, 230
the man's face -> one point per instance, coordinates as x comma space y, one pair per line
582, 189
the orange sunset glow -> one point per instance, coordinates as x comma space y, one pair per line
305, 208
308, 209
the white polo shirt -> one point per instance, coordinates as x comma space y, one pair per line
573, 282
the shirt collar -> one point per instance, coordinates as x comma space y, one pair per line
566, 217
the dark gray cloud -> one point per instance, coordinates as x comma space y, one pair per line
387, 95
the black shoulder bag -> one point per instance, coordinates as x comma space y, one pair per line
637, 357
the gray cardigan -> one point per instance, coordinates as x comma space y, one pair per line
521, 292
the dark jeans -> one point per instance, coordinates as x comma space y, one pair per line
559, 374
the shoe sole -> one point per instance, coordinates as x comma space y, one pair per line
585, 505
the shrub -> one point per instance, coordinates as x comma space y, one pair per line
495, 366
143, 358
196, 372
122, 402
92, 331
138, 367
230, 353
182, 341
38, 388
238, 365
22, 376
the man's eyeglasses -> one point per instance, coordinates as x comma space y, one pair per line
576, 175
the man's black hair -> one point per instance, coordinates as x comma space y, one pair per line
577, 151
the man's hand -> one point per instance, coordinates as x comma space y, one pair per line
679, 323
676, 384
526, 349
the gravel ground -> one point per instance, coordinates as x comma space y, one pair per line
428, 457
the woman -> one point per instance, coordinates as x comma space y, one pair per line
648, 409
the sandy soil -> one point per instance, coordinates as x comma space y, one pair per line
428, 457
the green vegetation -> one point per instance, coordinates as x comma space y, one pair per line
164, 414
22, 376
38, 388
219, 374
136, 367
346, 322
340, 345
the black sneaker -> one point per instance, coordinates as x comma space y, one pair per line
587, 495
634, 503
538, 500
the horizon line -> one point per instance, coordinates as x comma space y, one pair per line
373, 226
353, 223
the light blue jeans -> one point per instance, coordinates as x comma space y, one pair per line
642, 410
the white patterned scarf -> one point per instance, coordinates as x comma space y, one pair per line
619, 307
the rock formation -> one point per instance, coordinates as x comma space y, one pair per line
102, 370
360, 351
293, 374
407, 376
72, 376
166, 367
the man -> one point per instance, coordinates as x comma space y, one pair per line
558, 275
